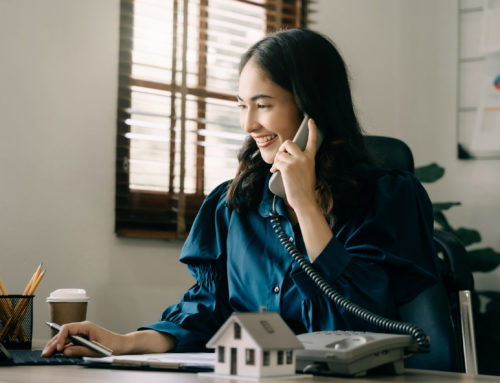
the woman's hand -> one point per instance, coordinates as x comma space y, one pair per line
137, 342
62, 343
299, 179
297, 169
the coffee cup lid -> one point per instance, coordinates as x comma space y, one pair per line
68, 295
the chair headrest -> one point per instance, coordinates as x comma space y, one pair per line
390, 152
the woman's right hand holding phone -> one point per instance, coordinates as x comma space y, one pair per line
299, 179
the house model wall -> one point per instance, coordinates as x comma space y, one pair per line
255, 345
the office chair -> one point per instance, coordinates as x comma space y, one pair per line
444, 310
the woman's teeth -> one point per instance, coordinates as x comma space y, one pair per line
261, 140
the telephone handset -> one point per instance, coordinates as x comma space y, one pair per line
276, 182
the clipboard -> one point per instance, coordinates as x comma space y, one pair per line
188, 362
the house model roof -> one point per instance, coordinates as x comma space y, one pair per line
267, 329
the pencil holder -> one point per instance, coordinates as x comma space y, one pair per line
16, 321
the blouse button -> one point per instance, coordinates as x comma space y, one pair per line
290, 239
276, 289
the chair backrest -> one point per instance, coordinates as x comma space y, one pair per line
435, 310
389, 152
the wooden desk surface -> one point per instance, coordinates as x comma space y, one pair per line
78, 374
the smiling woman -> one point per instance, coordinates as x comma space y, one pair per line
178, 131
267, 111
366, 230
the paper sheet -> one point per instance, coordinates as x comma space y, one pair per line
198, 359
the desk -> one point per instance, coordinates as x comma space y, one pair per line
78, 374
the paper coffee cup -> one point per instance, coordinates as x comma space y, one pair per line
67, 305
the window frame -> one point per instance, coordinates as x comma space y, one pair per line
221, 354
280, 357
236, 330
250, 356
169, 215
266, 357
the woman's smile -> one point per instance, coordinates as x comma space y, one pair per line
263, 141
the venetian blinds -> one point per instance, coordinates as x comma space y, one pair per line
178, 130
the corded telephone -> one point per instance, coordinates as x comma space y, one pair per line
346, 352
353, 353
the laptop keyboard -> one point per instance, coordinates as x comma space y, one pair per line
28, 357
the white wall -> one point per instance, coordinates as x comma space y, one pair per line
402, 56
58, 80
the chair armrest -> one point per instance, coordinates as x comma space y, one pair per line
467, 328
459, 276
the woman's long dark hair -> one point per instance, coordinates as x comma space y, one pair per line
309, 66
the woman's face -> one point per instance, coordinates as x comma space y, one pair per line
267, 112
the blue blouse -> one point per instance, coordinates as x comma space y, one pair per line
382, 257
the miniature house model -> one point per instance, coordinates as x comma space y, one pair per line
255, 345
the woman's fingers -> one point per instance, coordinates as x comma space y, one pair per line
72, 350
312, 139
50, 347
61, 342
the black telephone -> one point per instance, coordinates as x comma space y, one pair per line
345, 352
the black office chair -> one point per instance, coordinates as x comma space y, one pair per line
444, 310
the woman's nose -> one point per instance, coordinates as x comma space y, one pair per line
248, 122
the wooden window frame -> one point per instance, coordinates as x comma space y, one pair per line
169, 215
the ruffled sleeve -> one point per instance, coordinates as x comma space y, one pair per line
203, 308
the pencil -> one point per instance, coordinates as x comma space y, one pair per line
29, 286
16, 316
2, 288
5, 304
25, 304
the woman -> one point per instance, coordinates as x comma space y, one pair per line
367, 231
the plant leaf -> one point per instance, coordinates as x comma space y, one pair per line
467, 236
484, 259
442, 221
429, 173
442, 206
493, 297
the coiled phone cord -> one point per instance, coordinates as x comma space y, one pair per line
341, 302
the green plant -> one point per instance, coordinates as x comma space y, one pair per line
482, 259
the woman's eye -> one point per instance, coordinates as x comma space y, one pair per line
261, 106
241, 106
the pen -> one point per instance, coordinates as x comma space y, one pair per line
76, 339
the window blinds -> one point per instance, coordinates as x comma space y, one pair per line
178, 126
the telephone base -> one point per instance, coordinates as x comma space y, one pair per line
353, 353
355, 370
